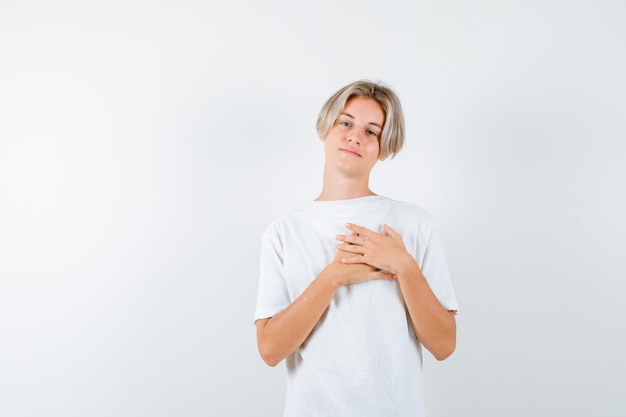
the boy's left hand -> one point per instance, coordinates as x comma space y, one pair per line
383, 251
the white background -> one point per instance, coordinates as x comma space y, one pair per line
145, 146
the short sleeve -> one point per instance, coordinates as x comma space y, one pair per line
435, 269
273, 295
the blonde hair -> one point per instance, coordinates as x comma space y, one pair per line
392, 135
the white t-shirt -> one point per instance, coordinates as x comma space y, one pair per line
363, 358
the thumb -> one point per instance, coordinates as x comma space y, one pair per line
389, 231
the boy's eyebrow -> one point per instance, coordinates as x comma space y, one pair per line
352, 117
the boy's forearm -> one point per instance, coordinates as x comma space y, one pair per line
434, 326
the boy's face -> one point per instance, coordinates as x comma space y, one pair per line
353, 141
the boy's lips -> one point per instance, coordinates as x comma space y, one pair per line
350, 151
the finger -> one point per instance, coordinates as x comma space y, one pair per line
353, 238
340, 255
389, 231
359, 259
347, 247
359, 229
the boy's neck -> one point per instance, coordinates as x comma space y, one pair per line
344, 188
